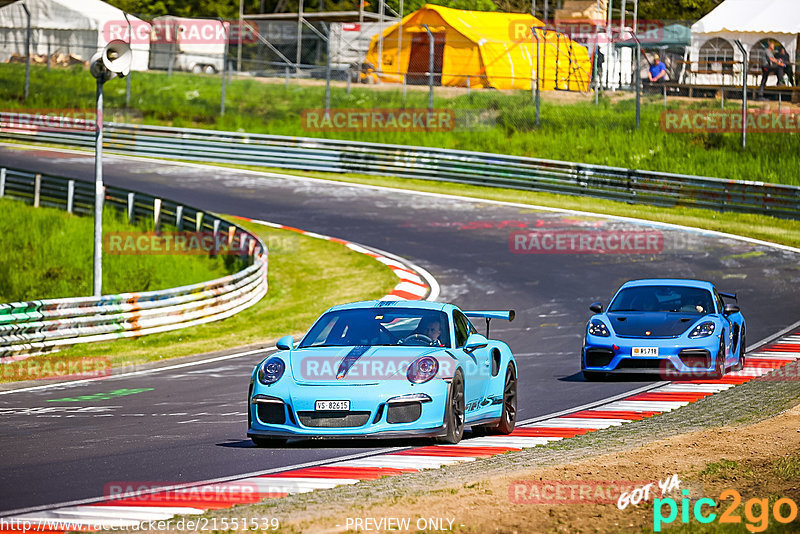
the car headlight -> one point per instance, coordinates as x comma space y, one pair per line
598, 328
271, 370
422, 370
702, 330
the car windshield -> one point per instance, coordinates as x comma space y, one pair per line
379, 326
679, 299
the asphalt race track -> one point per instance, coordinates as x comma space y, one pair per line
189, 424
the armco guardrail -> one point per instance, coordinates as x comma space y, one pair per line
28, 328
495, 170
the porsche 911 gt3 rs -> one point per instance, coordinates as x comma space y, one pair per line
385, 369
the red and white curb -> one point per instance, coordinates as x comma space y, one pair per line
415, 282
164, 504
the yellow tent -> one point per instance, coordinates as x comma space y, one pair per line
489, 49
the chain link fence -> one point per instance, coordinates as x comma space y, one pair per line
557, 92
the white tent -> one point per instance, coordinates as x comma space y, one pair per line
79, 27
715, 57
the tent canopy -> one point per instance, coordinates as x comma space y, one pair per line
746, 16
78, 27
485, 49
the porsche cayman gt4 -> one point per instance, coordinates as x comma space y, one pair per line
674, 327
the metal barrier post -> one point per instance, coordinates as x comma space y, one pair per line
131, 208
468, 84
70, 196
157, 214
179, 218
349, 75
2, 182
286, 82
665, 96
37, 190
198, 221
48, 56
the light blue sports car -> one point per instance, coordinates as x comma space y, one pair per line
386, 369
680, 328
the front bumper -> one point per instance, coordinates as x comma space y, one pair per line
682, 355
382, 410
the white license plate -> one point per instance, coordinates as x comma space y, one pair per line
327, 405
644, 351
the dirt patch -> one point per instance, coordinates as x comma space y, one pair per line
758, 461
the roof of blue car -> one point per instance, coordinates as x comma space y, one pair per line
669, 282
418, 304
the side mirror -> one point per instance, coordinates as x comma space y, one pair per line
475, 341
285, 343
730, 309
596, 307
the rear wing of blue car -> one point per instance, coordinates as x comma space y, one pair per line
506, 315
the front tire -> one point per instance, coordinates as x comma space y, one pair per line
454, 411
742, 348
719, 363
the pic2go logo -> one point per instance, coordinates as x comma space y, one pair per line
756, 511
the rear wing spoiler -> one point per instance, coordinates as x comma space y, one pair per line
728, 295
506, 315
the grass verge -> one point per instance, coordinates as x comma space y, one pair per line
306, 276
47, 253
571, 129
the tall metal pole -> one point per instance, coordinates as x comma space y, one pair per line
28, 53
638, 84
380, 35
224, 67
610, 49
740, 46
546, 11
400, 39
328, 76
128, 78
99, 193
241, 28
299, 38
430, 67
538, 54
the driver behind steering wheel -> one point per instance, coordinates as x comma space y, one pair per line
432, 329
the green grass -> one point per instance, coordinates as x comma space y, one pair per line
306, 276
788, 468
724, 469
47, 253
574, 132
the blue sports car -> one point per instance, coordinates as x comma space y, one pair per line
680, 328
386, 369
